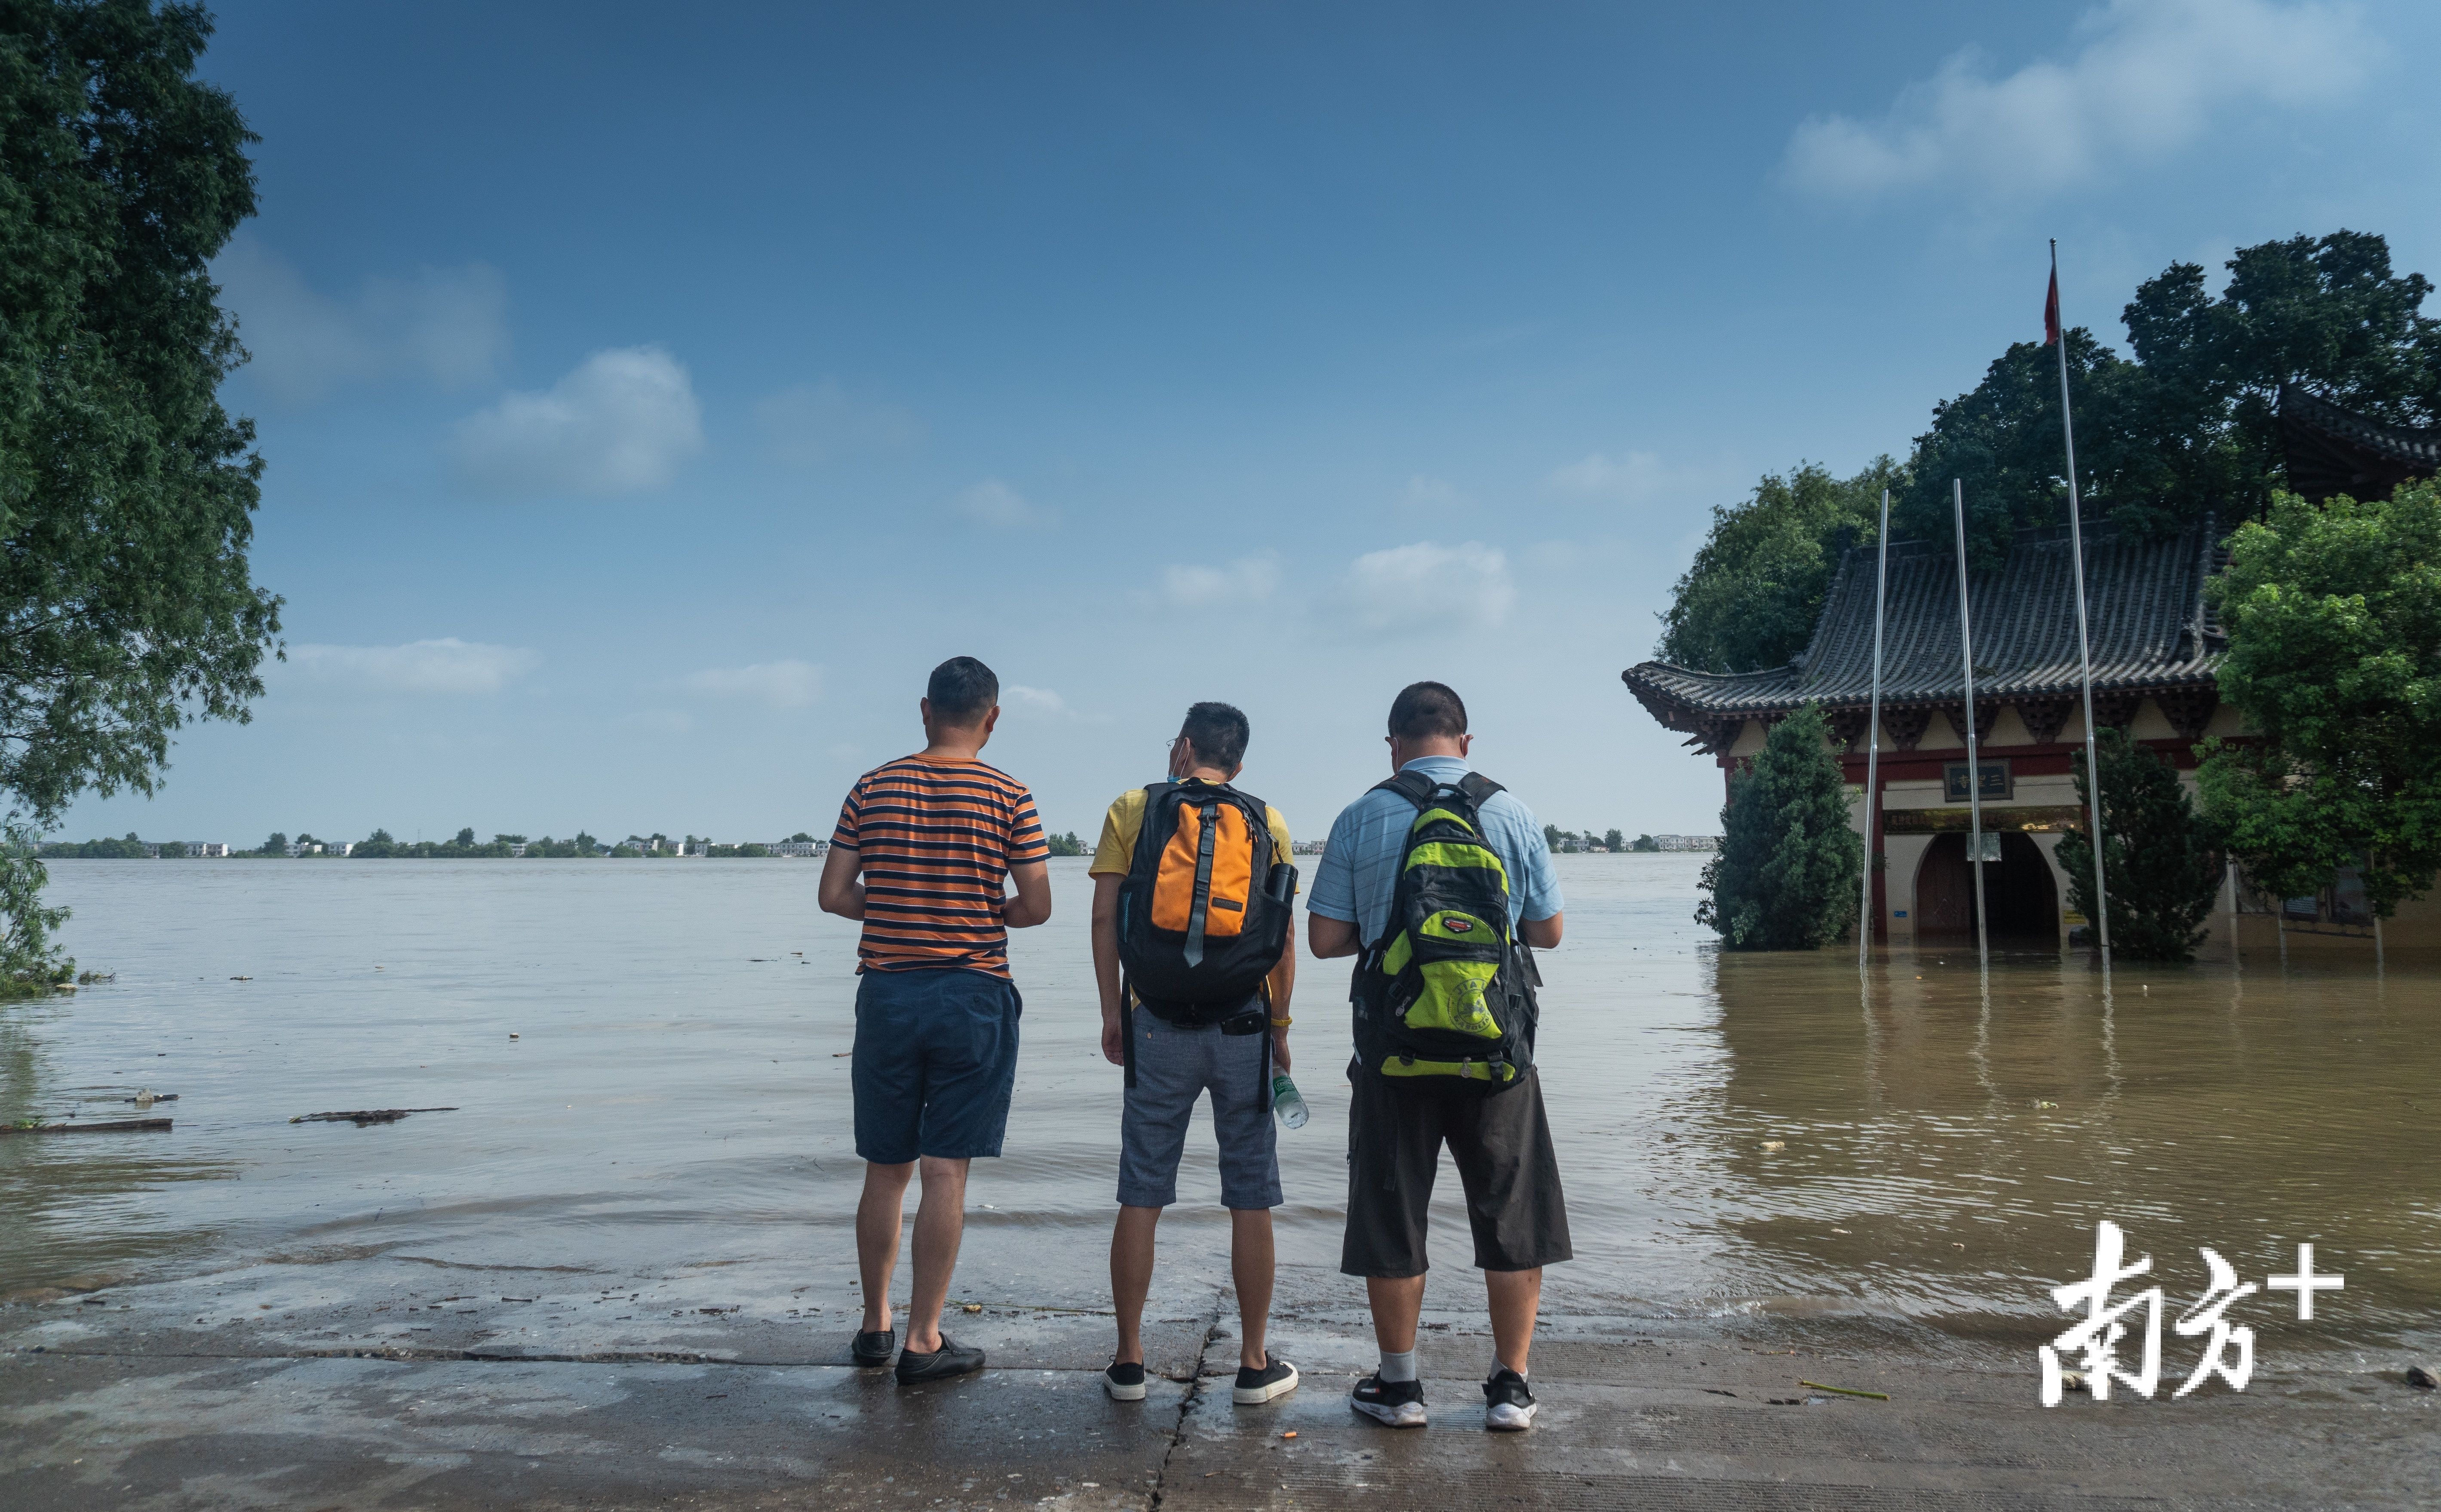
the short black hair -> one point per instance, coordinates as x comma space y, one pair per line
1425, 710
962, 689
1219, 733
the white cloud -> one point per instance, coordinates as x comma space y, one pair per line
621, 422
996, 506
779, 684
1194, 586
1033, 701
817, 423
448, 665
448, 326
1635, 476
1428, 585
2148, 80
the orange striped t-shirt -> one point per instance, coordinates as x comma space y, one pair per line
936, 839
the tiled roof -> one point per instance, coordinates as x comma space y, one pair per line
2331, 450
2149, 625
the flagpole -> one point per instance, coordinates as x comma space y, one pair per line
1866, 918
2083, 639
1974, 761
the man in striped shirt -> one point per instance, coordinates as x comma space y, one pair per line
924, 847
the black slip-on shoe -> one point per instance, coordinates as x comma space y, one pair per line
941, 1364
1255, 1387
1125, 1382
874, 1348
1508, 1406
1399, 1403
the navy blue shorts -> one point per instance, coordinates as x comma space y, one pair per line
935, 1061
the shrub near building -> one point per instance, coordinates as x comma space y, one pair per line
1789, 867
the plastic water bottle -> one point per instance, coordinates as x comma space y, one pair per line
1286, 1102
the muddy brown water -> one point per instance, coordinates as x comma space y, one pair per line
649, 1077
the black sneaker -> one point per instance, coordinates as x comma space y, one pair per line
1508, 1406
1125, 1382
1255, 1387
942, 1363
1399, 1403
874, 1348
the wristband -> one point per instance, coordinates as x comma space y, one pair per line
1282, 1023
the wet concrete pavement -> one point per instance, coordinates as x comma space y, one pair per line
553, 1401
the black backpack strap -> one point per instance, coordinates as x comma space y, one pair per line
1478, 788
1414, 786
1209, 811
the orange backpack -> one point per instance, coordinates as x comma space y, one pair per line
1206, 907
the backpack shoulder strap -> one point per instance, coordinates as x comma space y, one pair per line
1478, 788
1153, 792
1414, 786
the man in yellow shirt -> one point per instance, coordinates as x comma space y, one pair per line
1174, 1064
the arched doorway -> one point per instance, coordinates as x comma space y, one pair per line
2021, 903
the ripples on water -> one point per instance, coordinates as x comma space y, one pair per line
675, 1096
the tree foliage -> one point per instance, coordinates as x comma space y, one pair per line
1750, 597
1788, 870
2187, 427
126, 492
2334, 619
2158, 863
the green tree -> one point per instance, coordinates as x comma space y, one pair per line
1786, 875
1750, 597
2334, 620
1613, 841
126, 492
277, 844
30, 963
2158, 862
1067, 844
1646, 842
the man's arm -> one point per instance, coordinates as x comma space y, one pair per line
841, 893
1327, 937
1032, 904
1106, 962
1282, 983
1542, 934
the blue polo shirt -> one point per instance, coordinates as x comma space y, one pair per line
1360, 861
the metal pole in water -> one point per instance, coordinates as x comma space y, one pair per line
1973, 760
2084, 642
1866, 919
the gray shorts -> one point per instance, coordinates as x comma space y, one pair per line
1174, 1067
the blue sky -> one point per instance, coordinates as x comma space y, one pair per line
652, 395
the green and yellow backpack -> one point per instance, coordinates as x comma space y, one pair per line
1447, 992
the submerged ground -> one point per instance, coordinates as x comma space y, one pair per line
620, 1273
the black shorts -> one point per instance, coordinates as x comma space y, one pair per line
1502, 1144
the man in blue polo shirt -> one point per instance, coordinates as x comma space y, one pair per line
1501, 1141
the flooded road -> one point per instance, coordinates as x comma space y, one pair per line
650, 1081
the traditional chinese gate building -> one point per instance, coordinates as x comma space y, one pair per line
2155, 648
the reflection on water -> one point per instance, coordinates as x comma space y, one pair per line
675, 1095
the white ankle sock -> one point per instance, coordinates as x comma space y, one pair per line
1397, 1368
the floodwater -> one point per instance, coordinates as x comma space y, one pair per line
647, 1063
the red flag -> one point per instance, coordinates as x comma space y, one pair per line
2050, 311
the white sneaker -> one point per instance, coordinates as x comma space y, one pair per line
1508, 1406
1399, 1403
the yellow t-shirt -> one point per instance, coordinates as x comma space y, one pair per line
1120, 827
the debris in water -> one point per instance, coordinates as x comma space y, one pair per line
363, 1116
839, 1053
1775, 1144
513, 1036
2042, 1103
1845, 1390
2421, 1380
241, 979
107, 1125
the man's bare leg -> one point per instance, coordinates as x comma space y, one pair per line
1132, 1249
1397, 1303
1251, 1256
1516, 1296
940, 1225
877, 1218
